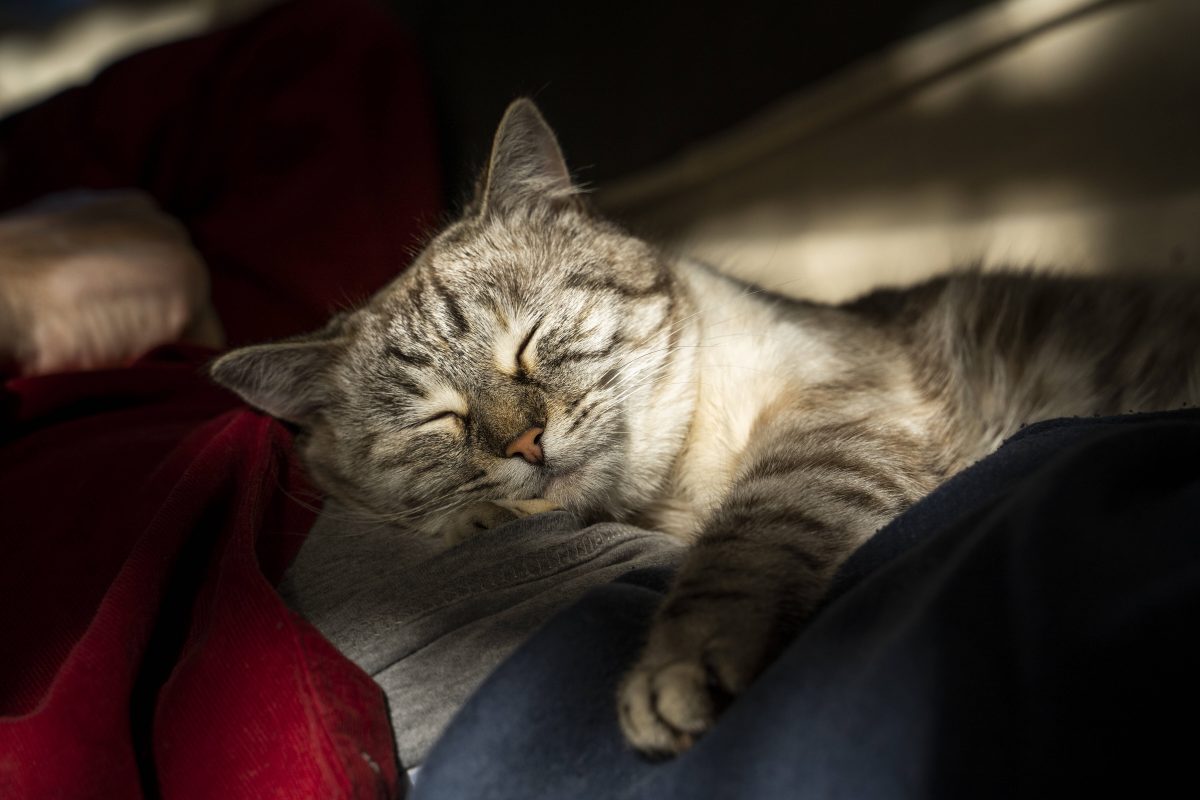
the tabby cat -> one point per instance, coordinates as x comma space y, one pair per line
535, 355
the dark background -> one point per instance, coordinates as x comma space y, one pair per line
628, 82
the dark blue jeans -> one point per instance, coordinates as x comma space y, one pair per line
1029, 629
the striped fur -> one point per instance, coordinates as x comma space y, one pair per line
776, 435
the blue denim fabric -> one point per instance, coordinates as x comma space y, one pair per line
1027, 630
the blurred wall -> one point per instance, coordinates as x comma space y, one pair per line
47, 46
1046, 134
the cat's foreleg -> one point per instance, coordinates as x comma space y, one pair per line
805, 498
473, 519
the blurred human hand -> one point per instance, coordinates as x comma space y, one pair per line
93, 279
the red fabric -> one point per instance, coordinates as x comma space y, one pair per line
145, 512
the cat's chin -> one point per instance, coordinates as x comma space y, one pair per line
576, 489
563, 486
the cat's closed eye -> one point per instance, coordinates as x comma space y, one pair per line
523, 360
443, 415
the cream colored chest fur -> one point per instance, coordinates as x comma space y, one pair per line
749, 359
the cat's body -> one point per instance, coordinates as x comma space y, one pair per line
959, 362
535, 355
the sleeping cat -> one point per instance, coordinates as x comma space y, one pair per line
536, 356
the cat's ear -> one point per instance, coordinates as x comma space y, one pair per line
284, 379
526, 164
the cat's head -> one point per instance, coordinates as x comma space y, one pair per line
531, 350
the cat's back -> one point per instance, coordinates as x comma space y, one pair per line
999, 350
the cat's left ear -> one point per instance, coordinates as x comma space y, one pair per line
287, 379
526, 165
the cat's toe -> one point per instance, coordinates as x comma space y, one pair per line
476, 518
669, 700
524, 508
663, 711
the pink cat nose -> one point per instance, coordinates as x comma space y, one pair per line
528, 446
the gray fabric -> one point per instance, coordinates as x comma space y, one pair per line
428, 624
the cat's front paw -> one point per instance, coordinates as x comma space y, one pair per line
693, 665
478, 517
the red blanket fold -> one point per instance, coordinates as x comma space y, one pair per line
145, 642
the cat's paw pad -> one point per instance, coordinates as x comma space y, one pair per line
478, 517
679, 687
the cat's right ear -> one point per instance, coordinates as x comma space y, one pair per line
526, 165
284, 379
